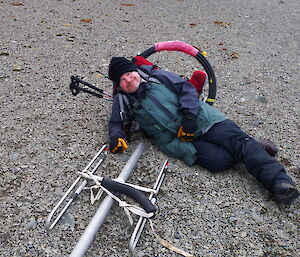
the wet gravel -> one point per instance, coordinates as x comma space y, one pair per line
47, 135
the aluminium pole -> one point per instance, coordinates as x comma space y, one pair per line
90, 232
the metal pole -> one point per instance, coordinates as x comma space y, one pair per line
90, 232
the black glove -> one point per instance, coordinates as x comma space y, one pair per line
188, 127
117, 144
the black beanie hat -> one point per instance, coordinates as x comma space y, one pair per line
118, 66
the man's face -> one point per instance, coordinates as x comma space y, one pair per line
130, 81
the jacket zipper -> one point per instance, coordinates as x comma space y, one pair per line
164, 109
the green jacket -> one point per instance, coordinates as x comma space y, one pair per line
160, 118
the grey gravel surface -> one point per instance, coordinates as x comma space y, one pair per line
47, 135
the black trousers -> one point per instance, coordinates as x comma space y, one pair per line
225, 144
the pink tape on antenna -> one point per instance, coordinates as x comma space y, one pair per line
176, 46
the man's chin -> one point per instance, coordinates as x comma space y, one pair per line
132, 91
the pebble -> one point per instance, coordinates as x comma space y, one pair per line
69, 219
178, 234
258, 122
243, 234
175, 211
260, 252
260, 99
14, 156
3, 238
232, 219
31, 224
140, 254
218, 202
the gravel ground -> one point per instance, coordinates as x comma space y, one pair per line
47, 135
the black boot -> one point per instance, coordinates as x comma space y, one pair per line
269, 146
285, 192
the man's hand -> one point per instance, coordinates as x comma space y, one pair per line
117, 144
188, 127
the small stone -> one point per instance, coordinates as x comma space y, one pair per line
251, 245
30, 246
234, 55
243, 234
232, 219
31, 224
14, 156
257, 122
19, 204
59, 192
226, 204
256, 216
40, 220
281, 243
17, 68
125, 157
261, 99
175, 211
140, 254
7, 175
69, 219
260, 252
178, 234
3, 238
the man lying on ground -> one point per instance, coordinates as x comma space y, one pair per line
168, 109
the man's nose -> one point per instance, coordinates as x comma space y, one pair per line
129, 78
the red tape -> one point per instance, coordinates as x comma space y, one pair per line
176, 46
